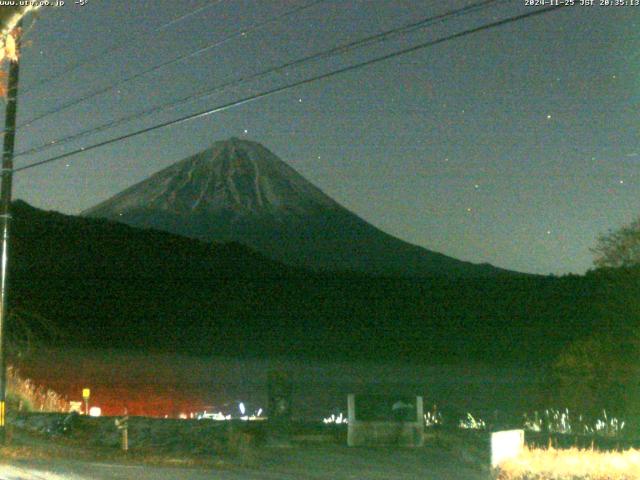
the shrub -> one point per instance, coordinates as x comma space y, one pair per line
571, 464
24, 394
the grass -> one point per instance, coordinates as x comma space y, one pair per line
158, 442
571, 464
28, 446
29, 396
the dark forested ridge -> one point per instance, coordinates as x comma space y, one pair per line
107, 284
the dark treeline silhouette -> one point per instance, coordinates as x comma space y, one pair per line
109, 285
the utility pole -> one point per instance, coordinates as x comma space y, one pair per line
5, 220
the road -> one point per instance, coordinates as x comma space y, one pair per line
319, 463
70, 470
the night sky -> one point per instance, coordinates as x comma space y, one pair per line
516, 146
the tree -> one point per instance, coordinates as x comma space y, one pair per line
10, 16
27, 331
598, 373
601, 370
10, 32
619, 248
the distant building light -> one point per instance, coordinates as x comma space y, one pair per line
340, 419
95, 412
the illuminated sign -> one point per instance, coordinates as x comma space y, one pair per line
505, 445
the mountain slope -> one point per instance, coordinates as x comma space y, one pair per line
239, 191
111, 285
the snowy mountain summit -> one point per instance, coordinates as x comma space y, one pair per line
233, 176
238, 190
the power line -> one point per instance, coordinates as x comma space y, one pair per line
199, 51
117, 47
189, 14
273, 91
341, 49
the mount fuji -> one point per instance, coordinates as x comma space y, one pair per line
238, 190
